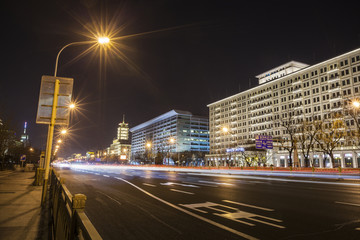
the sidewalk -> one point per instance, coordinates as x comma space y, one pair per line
21, 216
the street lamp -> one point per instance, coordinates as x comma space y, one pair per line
356, 104
171, 141
148, 145
226, 131
101, 40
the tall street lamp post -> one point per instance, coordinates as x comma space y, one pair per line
101, 40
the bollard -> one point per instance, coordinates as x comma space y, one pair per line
39, 176
78, 204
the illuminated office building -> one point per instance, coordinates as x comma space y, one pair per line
306, 93
187, 131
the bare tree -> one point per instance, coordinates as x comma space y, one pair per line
306, 138
7, 141
330, 135
287, 122
352, 112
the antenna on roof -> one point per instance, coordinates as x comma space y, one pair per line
123, 118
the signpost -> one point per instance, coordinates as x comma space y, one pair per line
53, 109
263, 142
46, 99
22, 159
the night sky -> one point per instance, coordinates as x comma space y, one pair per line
205, 51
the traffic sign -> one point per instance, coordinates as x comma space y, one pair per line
263, 142
23, 158
46, 99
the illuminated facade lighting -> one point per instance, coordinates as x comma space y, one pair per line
309, 92
175, 131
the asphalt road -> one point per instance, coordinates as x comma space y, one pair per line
138, 204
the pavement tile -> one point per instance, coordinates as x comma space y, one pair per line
21, 214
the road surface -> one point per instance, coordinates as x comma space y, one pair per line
147, 204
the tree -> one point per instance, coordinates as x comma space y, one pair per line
288, 141
306, 139
7, 142
352, 111
330, 135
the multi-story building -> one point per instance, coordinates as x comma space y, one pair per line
25, 137
120, 149
175, 131
293, 92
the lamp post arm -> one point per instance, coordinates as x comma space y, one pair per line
70, 44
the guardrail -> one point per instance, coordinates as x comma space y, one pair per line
67, 212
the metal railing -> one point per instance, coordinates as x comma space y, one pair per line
67, 212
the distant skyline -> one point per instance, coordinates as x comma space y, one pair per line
205, 51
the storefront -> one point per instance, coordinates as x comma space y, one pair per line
316, 161
348, 160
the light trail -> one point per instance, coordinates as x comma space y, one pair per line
263, 175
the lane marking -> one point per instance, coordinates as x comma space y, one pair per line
110, 197
148, 184
106, 175
176, 190
248, 205
179, 184
234, 216
271, 224
241, 234
202, 184
97, 174
218, 183
275, 179
351, 204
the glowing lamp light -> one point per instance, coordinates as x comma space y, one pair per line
356, 104
103, 40
72, 106
225, 129
63, 131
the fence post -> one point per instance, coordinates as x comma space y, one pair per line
78, 204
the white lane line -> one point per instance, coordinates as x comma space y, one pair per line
97, 174
179, 184
248, 205
241, 234
276, 179
106, 175
176, 190
201, 184
345, 203
110, 198
218, 183
148, 184
271, 224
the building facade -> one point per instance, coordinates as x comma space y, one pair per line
291, 94
120, 149
174, 132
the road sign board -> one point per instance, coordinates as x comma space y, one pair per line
46, 98
263, 142
23, 158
